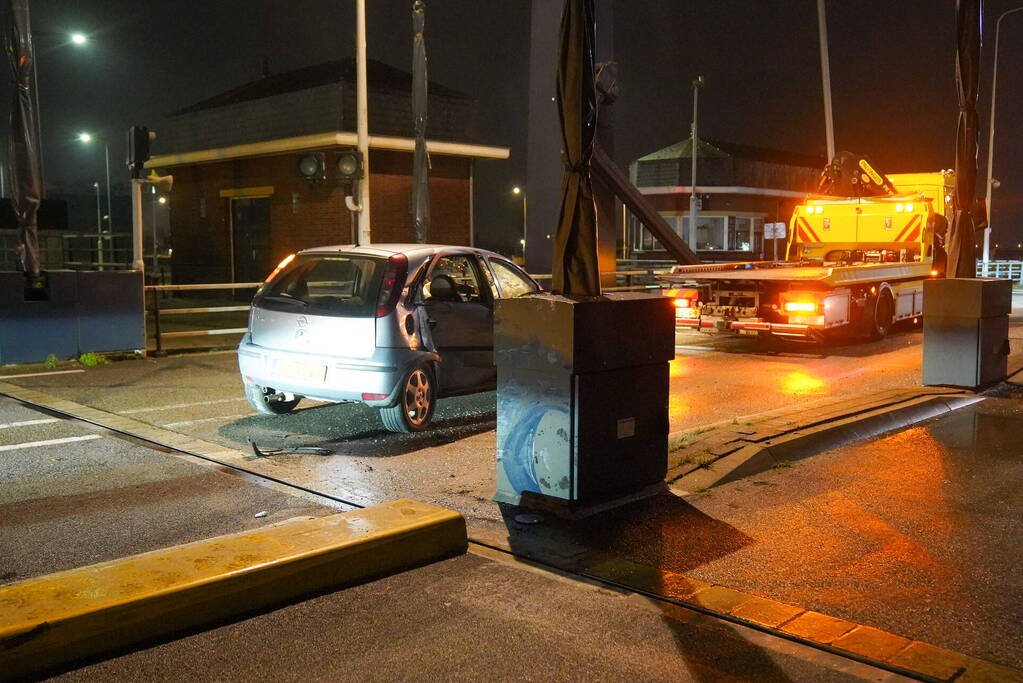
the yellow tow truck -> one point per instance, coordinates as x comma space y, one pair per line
855, 264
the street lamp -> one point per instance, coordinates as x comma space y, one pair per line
86, 138
79, 38
518, 191
697, 83
991, 138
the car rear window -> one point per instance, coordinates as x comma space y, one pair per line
319, 284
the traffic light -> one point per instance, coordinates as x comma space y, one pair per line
349, 165
139, 138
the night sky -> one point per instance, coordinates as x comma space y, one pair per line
892, 77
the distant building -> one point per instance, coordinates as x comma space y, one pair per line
739, 189
240, 204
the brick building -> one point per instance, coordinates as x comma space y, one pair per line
240, 204
739, 189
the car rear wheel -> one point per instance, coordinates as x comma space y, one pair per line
416, 402
269, 401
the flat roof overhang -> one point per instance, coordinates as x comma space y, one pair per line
726, 189
320, 141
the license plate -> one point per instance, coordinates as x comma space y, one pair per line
750, 332
302, 371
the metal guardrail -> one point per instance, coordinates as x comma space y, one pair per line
1011, 270
158, 312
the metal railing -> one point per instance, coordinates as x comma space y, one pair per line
631, 283
1011, 270
158, 312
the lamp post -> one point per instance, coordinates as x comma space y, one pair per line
822, 32
99, 211
697, 82
158, 201
86, 138
991, 139
518, 191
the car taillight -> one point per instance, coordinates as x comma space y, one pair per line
392, 284
683, 302
800, 306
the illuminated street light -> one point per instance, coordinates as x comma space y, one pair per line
79, 38
86, 138
162, 200
518, 191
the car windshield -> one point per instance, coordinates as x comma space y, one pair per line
321, 284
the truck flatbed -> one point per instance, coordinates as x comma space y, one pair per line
834, 275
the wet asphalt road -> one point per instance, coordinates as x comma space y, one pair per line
712, 380
919, 532
73, 494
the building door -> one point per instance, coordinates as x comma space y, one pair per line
251, 260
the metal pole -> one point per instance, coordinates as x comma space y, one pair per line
829, 125
697, 82
110, 208
524, 214
991, 138
99, 228
362, 119
39, 120
136, 226
153, 204
99, 211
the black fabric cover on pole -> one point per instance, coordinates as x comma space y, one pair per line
575, 270
23, 147
960, 246
421, 160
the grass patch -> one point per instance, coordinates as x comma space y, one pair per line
91, 360
706, 461
51, 362
781, 464
701, 490
677, 443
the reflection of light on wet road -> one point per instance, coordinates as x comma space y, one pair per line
678, 368
802, 384
678, 401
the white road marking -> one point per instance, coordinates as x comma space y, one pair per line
42, 374
207, 419
174, 406
26, 423
49, 442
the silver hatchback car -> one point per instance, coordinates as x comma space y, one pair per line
394, 326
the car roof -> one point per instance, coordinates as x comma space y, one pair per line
408, 249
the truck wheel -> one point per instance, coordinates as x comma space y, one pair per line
416, 402
882, 316
268, 401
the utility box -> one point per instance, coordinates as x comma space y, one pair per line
582, 397
966, 331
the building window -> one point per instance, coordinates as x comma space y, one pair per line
741, 233
710, 232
